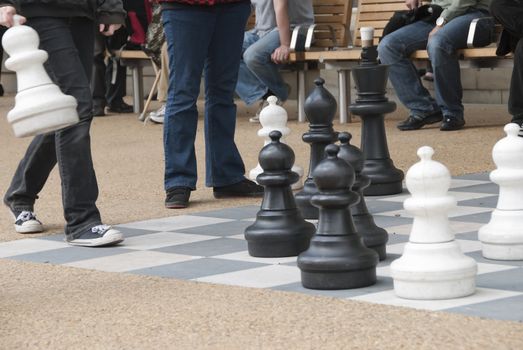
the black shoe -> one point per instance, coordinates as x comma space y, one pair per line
98, 111
25, 221
177, 197
452, 123
244, 188
121, 107
517, 120
96, 236
415, 122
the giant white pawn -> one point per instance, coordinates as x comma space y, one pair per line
502, 237
432, 265
274, 117
40, 106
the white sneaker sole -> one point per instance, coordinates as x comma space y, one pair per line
111, 237
157, 119
30, 227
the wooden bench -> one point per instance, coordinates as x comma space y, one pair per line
331, 29
376, 14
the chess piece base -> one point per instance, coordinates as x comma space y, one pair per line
42, 109
278, 234
338, 279
502, 237
337, 262
385, 178
433, 271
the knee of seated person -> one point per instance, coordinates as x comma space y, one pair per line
438, 45
387, 50
252, 58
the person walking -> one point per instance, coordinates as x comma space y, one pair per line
66, 29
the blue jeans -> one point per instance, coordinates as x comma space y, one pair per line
69, 43
396, 48
258, 74
207, 40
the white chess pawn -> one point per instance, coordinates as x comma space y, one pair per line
432, 265
40, 106
274, 117
502, 237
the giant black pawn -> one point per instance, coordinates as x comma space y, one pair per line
337, 257
279, 229
320, 108
373, 236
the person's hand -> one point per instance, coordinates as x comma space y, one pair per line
412, 4
6, 16
433, 31
109, 29
281, 54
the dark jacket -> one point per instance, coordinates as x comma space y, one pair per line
103, 11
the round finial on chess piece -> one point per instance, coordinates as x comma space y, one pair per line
273, 117
512, 129
275, 136
276, 155
350, 153
427, 171
507, 151
425, 153
333, 173
320, 106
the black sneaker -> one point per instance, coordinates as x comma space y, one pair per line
415, 122
517, 120
97, 236
244, 188
452, 123
177, 197
26, 221
98, 111
121, 107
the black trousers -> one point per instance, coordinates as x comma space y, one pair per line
510, 14
69, 43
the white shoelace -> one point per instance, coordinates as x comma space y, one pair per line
100, 229
26, 216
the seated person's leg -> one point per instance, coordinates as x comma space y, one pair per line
258, 59
515, 103
395, 50
447, 79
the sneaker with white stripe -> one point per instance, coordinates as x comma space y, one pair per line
97, 236
26, 222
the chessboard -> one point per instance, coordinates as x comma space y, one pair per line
210, 247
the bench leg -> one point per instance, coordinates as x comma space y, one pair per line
344, 95
137, 89
142, 116
301, 95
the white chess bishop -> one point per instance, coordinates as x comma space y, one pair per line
40, 106
274, 117
502, 237
432, 265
